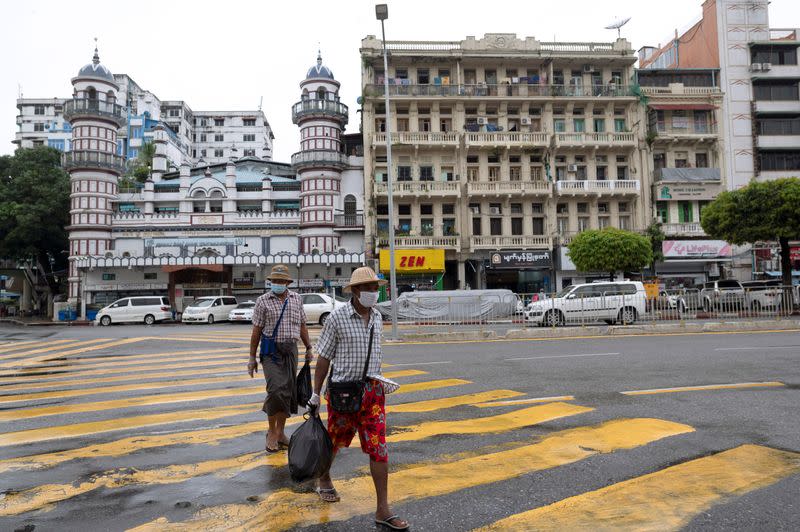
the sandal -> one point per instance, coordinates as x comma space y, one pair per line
388, 523
271, 449
283, 445
328, 494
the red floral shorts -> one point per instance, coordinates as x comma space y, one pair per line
370, 422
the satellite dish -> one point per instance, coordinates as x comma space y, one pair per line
617, 24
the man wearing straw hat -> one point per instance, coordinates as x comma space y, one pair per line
350, 341
279, 314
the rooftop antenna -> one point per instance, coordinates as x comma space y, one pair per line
260, 103
617, 25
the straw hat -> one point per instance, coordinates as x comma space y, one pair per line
280, 272
363, 275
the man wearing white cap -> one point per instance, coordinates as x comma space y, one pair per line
350, 341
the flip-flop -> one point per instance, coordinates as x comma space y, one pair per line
388, 523
283, 445
334, 495
271, 450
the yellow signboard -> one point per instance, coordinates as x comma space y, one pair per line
414, 260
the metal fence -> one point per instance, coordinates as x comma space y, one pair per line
599, 307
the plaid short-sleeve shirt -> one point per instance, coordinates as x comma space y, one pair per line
268, 309
344, 341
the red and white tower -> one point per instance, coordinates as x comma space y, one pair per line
321, 118
93, 164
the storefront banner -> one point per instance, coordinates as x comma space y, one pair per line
521, 259
794, 254
696, 249
414, 260
112, 287
688, 192
310, 283
242, 282
196, 242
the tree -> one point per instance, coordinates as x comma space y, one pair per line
760, 211
610, 250
34, 210
656, 236
141, 167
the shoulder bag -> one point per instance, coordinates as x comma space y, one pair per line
346, 397
269, 347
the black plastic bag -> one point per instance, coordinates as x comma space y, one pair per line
310, 449
303, 384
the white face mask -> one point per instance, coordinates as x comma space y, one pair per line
368, 299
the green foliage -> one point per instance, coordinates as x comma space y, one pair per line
757, 212
139, 169
610, 250
657, 237
34, 210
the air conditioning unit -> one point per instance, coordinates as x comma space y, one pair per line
572, 168
755, 67
525, 121
766, 67
588, 68
475, 209
482, 120
494, 210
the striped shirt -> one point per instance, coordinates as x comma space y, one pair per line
268, 309
344, 341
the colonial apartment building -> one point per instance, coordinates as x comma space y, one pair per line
503, 149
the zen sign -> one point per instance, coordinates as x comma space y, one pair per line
521, 260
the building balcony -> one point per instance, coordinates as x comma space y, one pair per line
498, 90
687, 175
510, 242
436, 242
420, 188
581, 140
683, 229
789, 142
508, 139
319, 158
344, 222
598, 187
418, 138
509, 188
693, 132
86, 108
93, 160
319, 109
774, 71
777, 106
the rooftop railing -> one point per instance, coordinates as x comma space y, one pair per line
92, 107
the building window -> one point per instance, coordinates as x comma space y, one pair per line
619, 125
174, 112
426, 227
448, 208
202, 153
109, 276
202, 137
38, 109
662, 212
599, 125
559, 125
219, 153
779, 160
248, 138
219, 138
563, 225
538, 225
404, 209
578, 125
404, 173
496, 226
449, 226
219, 121
423, 76
516, 226
775, 91
685, 214
249, 153
625, 223
701, 160
426, 209
249, 122
38, 127
426, 173
476, 226
151, 276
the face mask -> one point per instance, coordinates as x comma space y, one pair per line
278, 289
368, 299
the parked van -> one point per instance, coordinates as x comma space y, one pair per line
209, 309
139, 309
612, 302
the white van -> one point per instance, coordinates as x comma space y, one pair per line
142, 309
209, 309
611, 302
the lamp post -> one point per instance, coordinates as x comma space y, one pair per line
382, 13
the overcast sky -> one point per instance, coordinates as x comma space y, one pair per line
227, 55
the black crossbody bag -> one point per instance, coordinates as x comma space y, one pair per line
346, 397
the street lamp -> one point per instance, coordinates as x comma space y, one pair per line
382, 13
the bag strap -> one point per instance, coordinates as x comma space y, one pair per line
278, 323
369, 353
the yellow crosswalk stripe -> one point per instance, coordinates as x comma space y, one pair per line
23, 346
734, 386
200, 395
285, 509
16, 344
153, 385
38, 497
665, 500
36, 360
487, 425
517, 402
52, 347
202, 436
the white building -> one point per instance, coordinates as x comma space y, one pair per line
212, 229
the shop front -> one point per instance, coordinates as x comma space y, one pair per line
689, 263
522, 272
767, 261
188, 283
416, 269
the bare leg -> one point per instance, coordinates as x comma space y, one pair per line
380, 477
275, 421
280, 424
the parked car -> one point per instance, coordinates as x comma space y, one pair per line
766, 295
724, 294
141, 309
243, 312
319, 306
209, 309
619, 301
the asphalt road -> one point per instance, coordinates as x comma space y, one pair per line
160, 428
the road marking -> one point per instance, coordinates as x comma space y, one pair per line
515, 402
487, 425
762, 348
424, 363
196, 339
285, 509
36, 360
565, 356
665, 500
404, 373
39, 496
182, 397
16, 344
705, 387
33, 345
15, 357
194, 437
